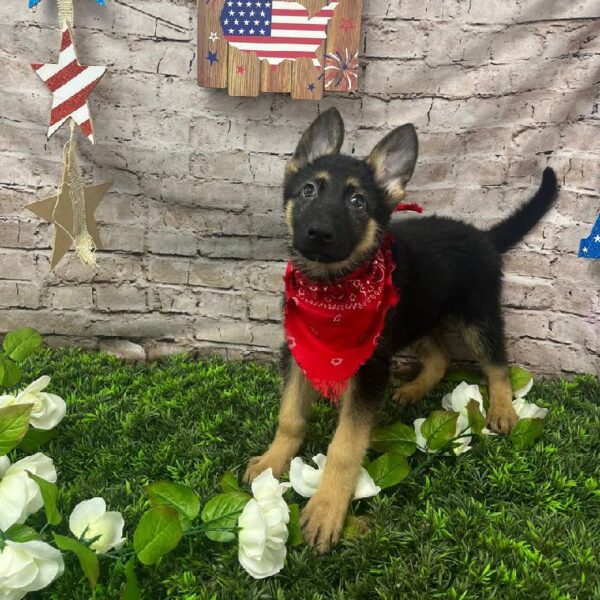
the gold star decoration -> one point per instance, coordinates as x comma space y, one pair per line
71, 211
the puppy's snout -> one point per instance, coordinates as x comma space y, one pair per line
320, 234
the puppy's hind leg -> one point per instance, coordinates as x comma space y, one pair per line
435, 357
486, 340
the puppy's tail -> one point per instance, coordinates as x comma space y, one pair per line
513, 229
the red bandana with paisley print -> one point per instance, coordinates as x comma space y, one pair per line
333, 328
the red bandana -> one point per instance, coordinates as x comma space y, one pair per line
333, 328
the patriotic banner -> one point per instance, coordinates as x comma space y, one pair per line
301, 48
70, 83
589, 247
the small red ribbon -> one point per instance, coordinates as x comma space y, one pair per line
414, 207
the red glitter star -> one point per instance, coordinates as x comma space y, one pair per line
240, 69
347, 24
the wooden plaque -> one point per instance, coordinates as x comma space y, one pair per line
301, 48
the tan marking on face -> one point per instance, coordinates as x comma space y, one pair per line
353, 182
323, 518
370, 241
298, 396
323, 176
291, 167
435, 358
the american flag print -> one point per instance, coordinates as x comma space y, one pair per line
275, 30
70, 83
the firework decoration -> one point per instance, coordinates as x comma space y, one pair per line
341, 71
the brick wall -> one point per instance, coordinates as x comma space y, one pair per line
193, 227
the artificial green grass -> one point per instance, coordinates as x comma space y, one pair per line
493, 523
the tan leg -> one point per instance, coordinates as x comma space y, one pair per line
296, 401
501, 415
436, 358
322, 519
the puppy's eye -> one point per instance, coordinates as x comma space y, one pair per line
309, 190
358, 201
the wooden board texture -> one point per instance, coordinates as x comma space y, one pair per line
301, 48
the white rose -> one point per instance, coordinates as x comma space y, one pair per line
522, 392
263, 527
461, 395
28, 567
20, 495
460, 446
89, 519
306, 479
48, 409
529, 410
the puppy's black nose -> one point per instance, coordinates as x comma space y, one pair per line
320, 233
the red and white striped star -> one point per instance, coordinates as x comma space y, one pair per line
70, 83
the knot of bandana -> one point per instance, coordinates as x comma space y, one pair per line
332, 329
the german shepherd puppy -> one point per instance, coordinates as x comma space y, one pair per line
338, 211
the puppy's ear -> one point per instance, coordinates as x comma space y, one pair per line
324, 137
393, 161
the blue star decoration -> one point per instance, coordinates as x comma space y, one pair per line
589, 247
212, 57
311, 87
33, 3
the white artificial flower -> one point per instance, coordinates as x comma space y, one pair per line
306, 479
522, 392
460, 446
263, 527
89, 519
48, 409
20, 495
27, 567
462, 394
529, 410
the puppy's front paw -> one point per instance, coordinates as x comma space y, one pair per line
322, 522
409, 393
258, 464
501, 419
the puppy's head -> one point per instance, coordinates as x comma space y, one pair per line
338, 207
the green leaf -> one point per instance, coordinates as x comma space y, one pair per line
14, 423
157, 533
439, 428
131, 591
222, 512
21, 533
519, 378
398, 438
177, 496
459, 375
354, 527
87, 558
22, 343
476, 419
228, 482
388, 469
295, 533
10, 373
36, 438
526, 431
49, 496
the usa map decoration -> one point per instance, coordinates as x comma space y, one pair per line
301, 48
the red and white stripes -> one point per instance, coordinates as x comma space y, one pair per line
70, 83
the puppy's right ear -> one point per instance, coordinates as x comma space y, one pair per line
324, 137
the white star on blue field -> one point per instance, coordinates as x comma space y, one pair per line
589, 247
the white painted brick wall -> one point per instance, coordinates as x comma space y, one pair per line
193, 228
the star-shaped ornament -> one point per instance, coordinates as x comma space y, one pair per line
70, 83
58, 209
347, 24
213, 37
212, 57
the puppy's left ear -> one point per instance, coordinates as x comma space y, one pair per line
324, 137
393, 161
